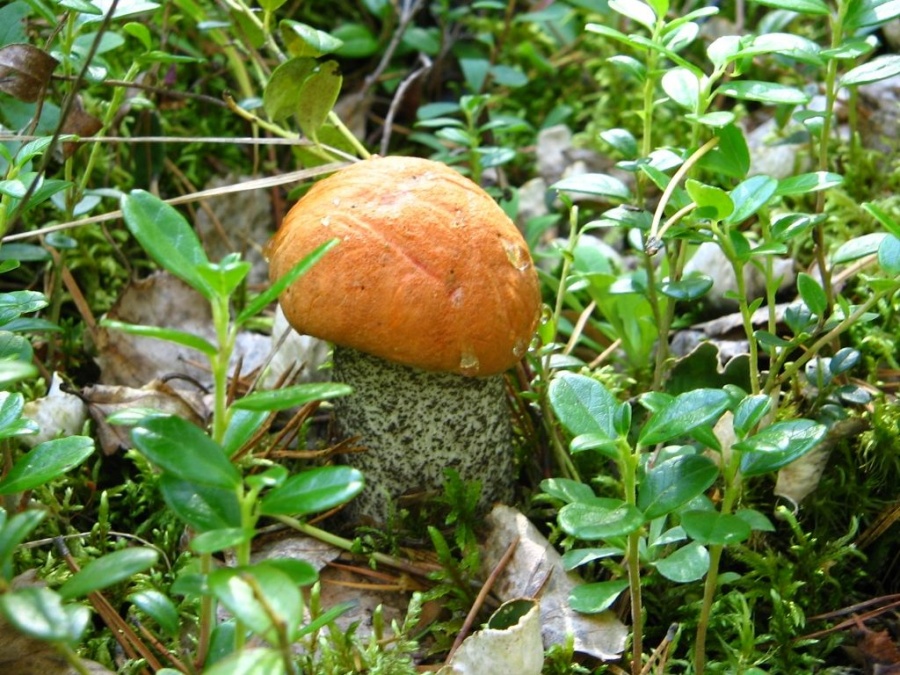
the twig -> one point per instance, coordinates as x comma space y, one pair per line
399, 95
481, 597
123, 633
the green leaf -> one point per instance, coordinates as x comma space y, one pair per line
764, 92
732, 155
140, 32
250, 661
601, 519
876, 212
178, 337
158, 607
682, 86
594, 184
300, 572
202, 507
13, 532
636, 11
242, 425
583, 406
711, 198
281, 97
108, 570
166, 236
757, 521
243, 591
582, 556
844, 360
870, 13
812, 7
749, 413
291, 397
39, 613
271, 5
812, 294
879, 68
858, 247
11, 421
691, 287
805, 183
622, 140
674, 483
313, 491
750, 196
686, 564
358, 42
302, 40
596, 597
687, 411
567, 490
185, 451
715, 529
778, 445
213, 541
47, 461
889, 255
318, 94
266, 298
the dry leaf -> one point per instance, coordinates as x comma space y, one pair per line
515, 649
536, 571
25, 71
58, 414
104, 400
162, 300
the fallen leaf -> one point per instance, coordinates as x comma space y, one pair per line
162, 300
515, 648
104, 400
57, 414
536, 571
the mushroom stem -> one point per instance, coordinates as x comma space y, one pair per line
414, 424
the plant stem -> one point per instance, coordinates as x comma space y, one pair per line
732, 492
630, 460
831, 68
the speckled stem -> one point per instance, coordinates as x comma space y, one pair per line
414, 424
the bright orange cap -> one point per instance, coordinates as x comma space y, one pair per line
429, 271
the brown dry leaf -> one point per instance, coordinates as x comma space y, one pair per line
104, 400
163, 300
25, 71
878, 649
81, 124
536, 570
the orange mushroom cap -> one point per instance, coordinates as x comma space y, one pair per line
429, 271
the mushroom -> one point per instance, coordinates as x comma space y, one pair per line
430, 296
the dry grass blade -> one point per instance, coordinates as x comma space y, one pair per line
257, 184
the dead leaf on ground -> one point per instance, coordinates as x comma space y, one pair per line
162, 300
513, 647
59, 413
104, 400
536, 570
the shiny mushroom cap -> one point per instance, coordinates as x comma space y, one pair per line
429, 271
